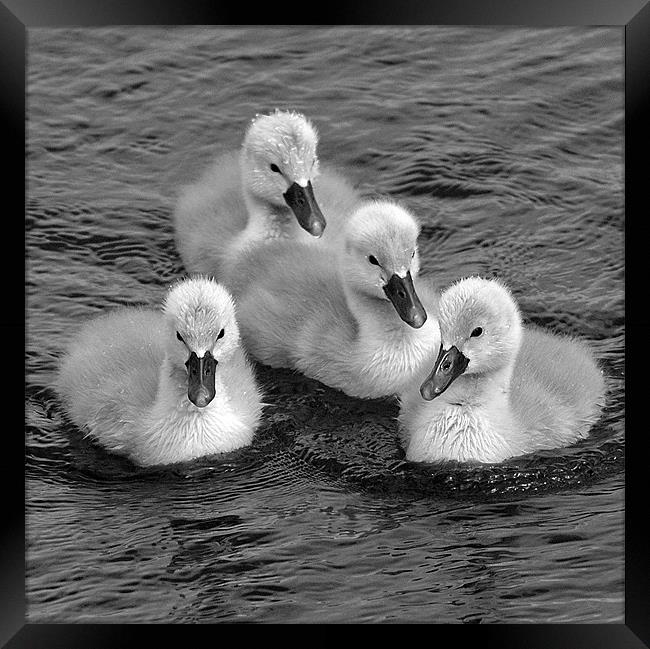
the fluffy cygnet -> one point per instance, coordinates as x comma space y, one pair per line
163, 387
498, 389
350, 319
273, 188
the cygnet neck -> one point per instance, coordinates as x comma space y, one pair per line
375, 316
479, 390
269, 219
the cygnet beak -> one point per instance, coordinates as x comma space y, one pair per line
449, 365
200, 379
303, 204
401, 292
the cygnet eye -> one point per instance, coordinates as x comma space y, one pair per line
221, 334
413, 254
373, 260
179, 337
275, 168
477, 332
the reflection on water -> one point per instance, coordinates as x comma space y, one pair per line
507, 144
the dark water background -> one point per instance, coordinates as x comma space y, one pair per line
507, 142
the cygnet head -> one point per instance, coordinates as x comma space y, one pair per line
380, 257
203, 332
480, 332
279, 162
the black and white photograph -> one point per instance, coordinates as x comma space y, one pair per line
325, 324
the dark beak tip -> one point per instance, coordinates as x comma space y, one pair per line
449, 365
418, 319
427, 393
317, 228
201, 400
200, 389
303, 204
401, 292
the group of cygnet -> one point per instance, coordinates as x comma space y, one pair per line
325, 283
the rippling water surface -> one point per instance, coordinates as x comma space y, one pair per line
507, 143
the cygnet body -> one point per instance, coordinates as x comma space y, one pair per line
273, 188
352, 318
498, 389
163, 387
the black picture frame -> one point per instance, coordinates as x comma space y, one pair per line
17, 16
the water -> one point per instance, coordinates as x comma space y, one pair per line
507, 143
